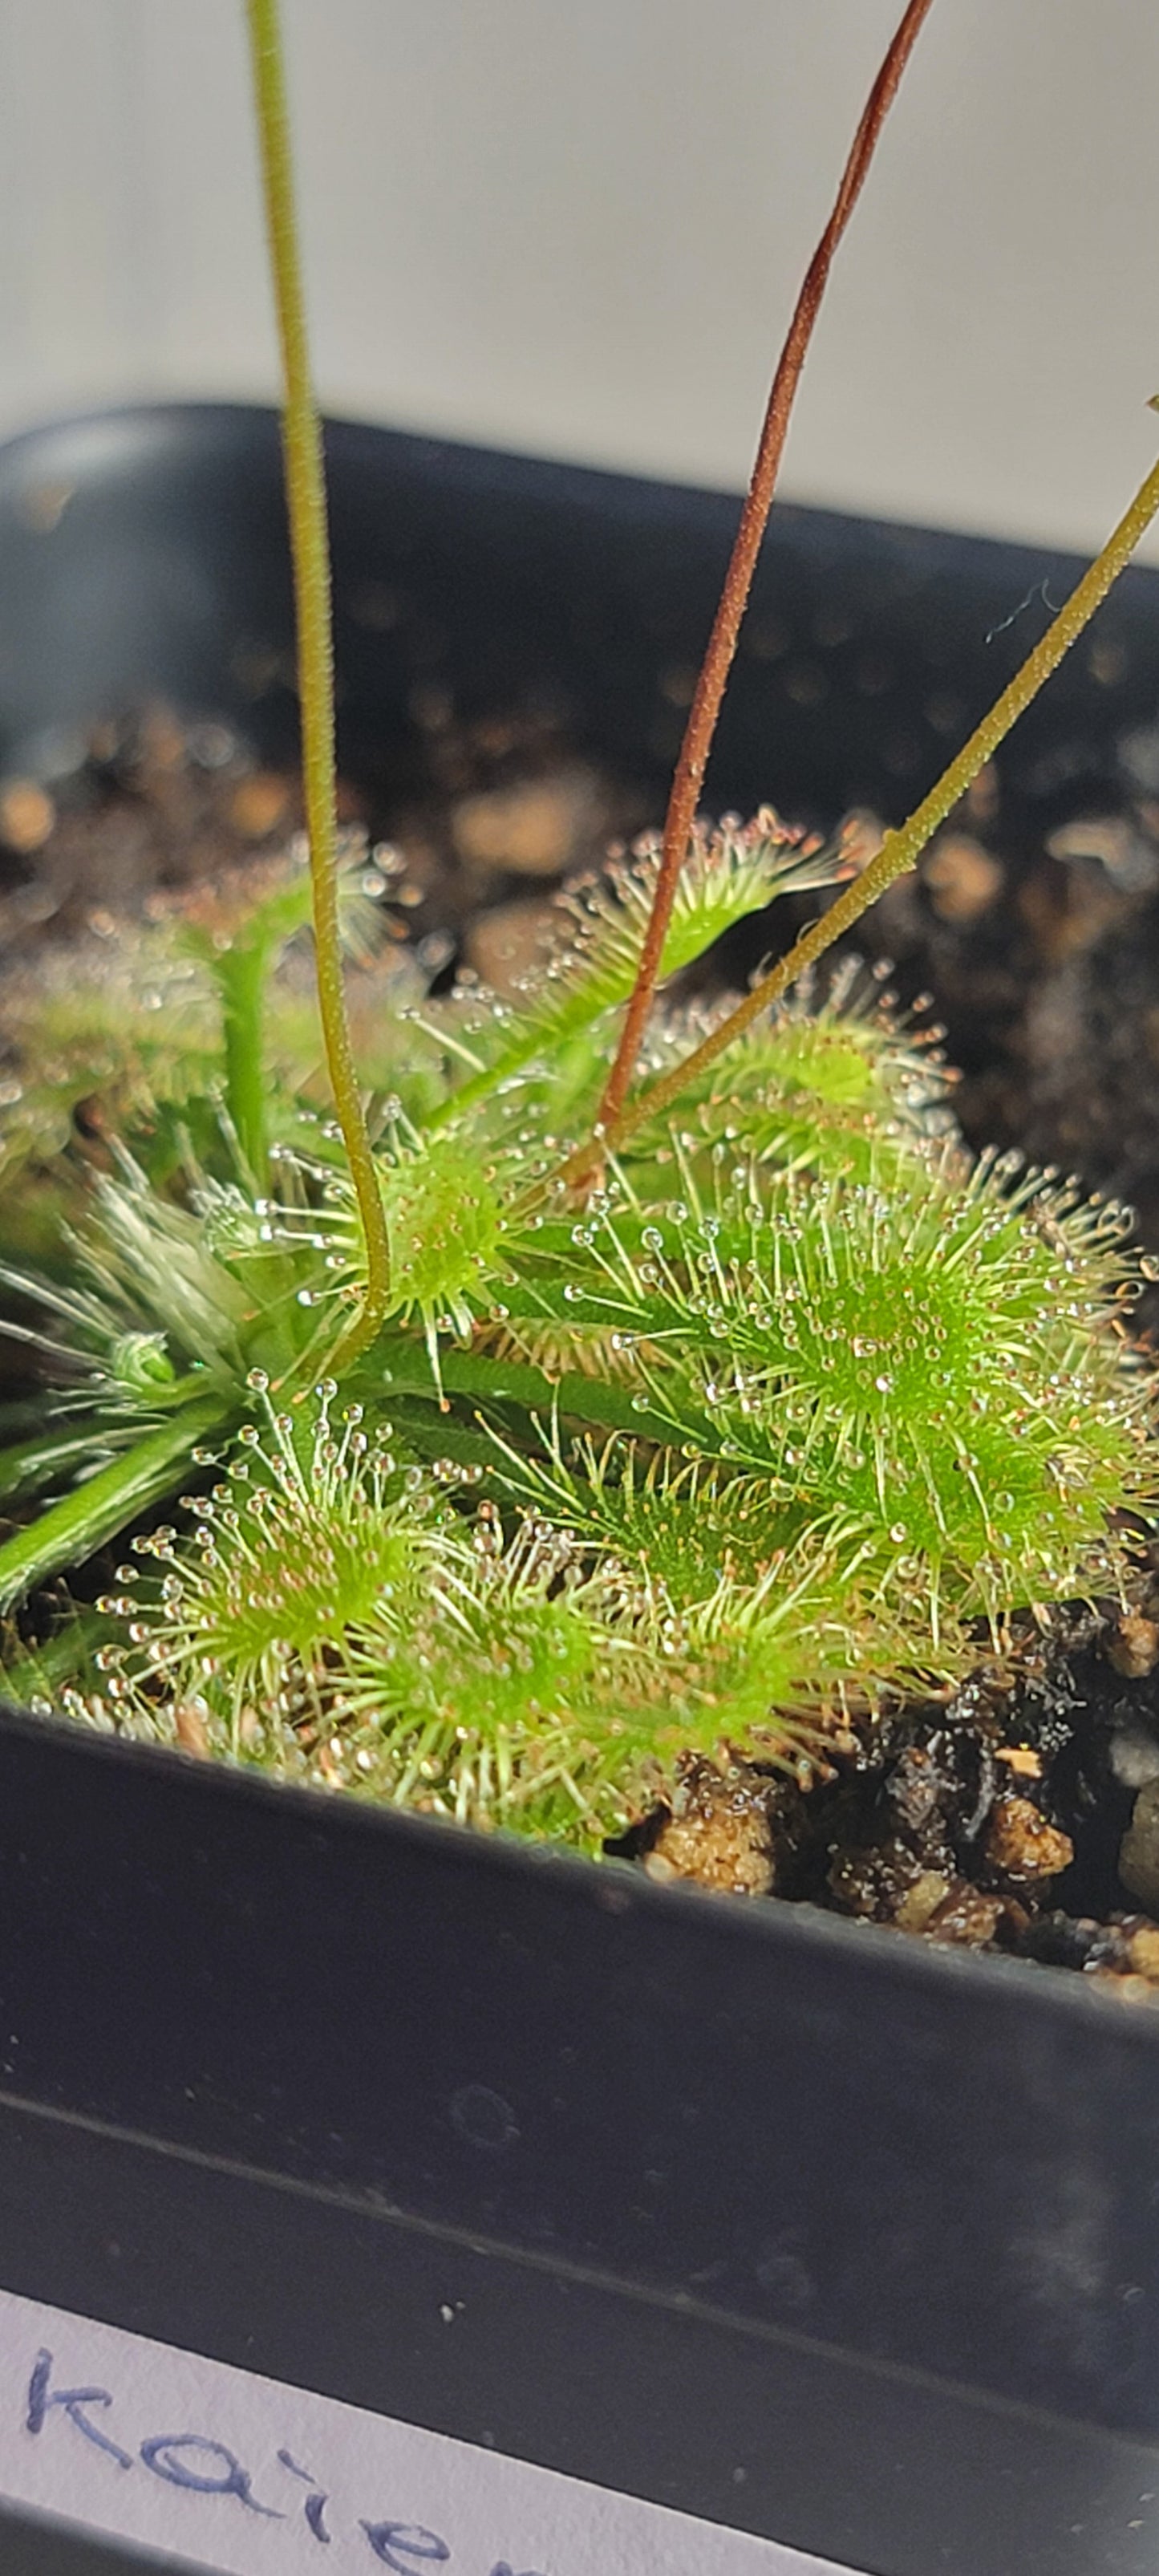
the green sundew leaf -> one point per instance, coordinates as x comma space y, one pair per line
60, 1662
520, 1697
599, 1403
294, 1560
927, 1361
237, 921
425, 1433
727, 875
154, 1285
848, 1062
685, 1527
30, 1465
497, 1381
444, 1221
538, 1691
152, 1269
266, 926
496, 1387
910, 1362
839, 1093
126, 1021
106, 1503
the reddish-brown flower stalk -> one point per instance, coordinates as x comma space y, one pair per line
710, 686
900, 849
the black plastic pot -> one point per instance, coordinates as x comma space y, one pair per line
142, 556
790, 2224
795, 2226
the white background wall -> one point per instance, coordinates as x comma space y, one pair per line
576, 226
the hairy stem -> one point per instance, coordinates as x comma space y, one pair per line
901, 849
306, 506
721, 648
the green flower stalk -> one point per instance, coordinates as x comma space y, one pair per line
306, 502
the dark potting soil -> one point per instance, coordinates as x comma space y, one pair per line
1005, 1814
1019, 1812
151, 807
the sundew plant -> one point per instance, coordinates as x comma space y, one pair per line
595, 1380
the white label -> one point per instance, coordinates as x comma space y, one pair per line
138, 2442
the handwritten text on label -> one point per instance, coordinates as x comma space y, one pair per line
244, 2476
